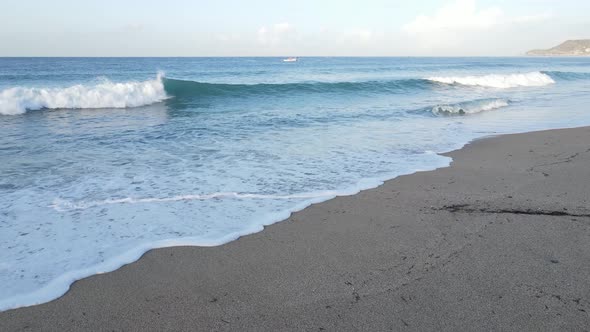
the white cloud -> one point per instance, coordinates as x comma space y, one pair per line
450, 21
276, 34
533, 18
462, 25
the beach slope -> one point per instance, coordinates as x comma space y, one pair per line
500, 240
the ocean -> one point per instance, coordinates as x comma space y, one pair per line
102, 159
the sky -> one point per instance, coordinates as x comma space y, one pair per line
288, 28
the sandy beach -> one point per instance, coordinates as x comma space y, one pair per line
500, 240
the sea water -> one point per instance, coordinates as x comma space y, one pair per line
102, 159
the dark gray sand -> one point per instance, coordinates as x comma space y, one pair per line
498, 241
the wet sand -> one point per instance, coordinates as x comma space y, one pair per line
498, 241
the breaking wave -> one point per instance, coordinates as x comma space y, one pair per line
497, 80
103, 95
108, 94
470, 107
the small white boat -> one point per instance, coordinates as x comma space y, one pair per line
291, 59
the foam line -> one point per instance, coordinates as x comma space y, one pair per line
63, 205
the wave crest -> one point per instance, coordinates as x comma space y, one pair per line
470, 107
186, 88
103, 95
497, 80
568, 75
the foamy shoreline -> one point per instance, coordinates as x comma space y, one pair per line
416, 251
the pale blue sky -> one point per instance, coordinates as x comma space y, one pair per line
300, 27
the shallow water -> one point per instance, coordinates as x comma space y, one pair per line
104, 158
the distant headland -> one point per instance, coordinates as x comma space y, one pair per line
579, 47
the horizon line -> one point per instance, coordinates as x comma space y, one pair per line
276, 56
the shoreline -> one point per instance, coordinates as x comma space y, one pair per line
368, 221
49, 293
62, 284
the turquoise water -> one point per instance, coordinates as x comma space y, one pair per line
105, 158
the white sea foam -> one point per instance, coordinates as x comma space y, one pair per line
103, 95
497, 80
64, 205
470, 107
60, 284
